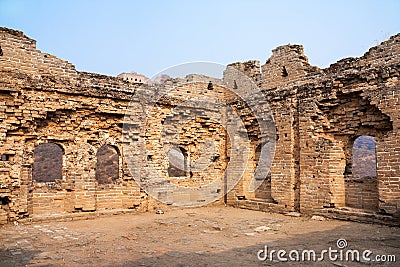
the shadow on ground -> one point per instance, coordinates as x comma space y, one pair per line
17, 257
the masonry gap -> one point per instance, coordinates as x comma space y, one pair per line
210, 86
5, 200
215, 158
284, 72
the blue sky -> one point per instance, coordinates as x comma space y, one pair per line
110, 37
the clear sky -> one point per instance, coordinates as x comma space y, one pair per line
110, 37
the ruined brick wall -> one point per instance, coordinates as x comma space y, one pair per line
45, 100
133, 77
317, 113
20, 53
175, 123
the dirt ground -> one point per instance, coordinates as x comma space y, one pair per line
207, 236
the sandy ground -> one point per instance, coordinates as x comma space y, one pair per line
207, 236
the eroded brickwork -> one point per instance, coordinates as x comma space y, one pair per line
317, 115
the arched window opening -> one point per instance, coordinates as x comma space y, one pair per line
177, 162
107, 167
47, 163
361, 185
364, 157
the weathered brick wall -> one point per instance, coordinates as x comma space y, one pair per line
362, 193
84, 112
20, 53
44, 99
173, 122
317, 114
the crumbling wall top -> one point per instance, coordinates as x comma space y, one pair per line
16, 33
287, 64
19, 36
